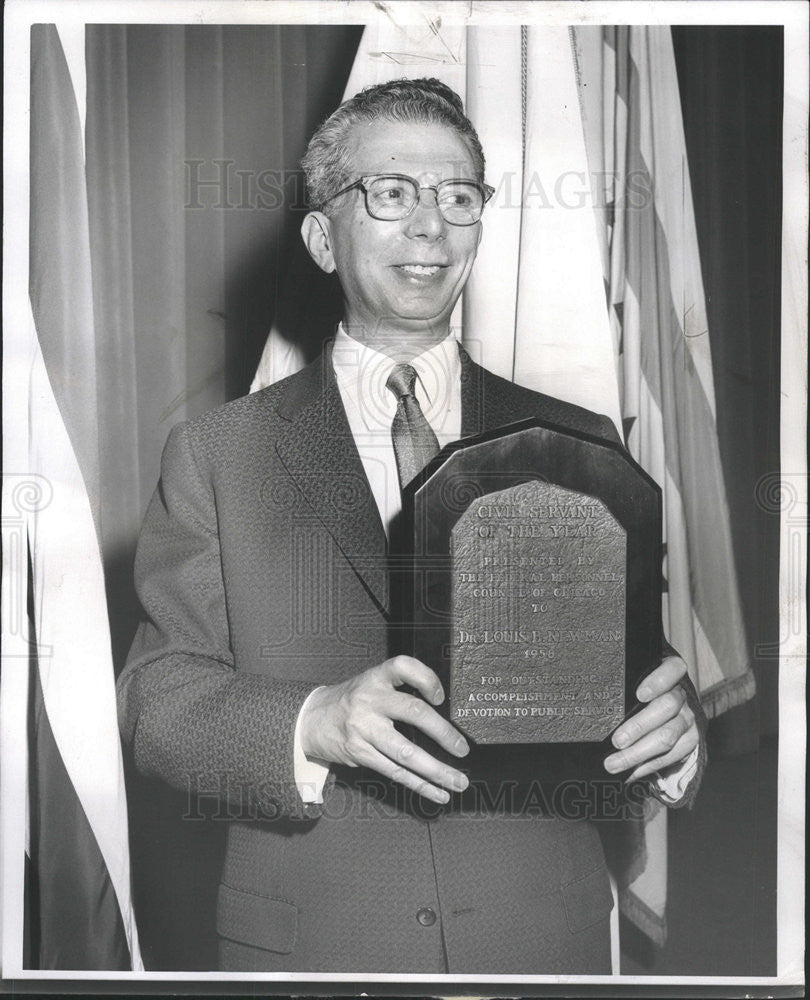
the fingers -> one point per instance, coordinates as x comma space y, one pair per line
668, 743
353, 723
416, 711
665, 676
392, 755
664, 732
414, 759
685, 745
657, 713
408, 670
412, 710
396, 772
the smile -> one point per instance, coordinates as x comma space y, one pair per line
423, 269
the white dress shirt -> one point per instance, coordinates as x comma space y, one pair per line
361, 374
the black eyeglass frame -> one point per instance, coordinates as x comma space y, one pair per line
486, 190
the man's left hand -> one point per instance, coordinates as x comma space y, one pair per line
662, 733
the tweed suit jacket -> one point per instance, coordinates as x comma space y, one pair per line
262, 572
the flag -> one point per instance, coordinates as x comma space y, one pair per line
658, 315
628, 86
534, 305
78, 906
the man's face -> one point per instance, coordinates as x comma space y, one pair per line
382, 264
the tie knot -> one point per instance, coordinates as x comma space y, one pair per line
401, 380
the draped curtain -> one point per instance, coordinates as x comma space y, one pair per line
194, 136
193, 141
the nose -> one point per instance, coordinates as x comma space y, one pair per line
426, 220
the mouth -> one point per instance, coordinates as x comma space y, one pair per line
420, 270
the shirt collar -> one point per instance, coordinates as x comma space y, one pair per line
362, 372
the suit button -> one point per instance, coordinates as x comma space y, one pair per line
426, 916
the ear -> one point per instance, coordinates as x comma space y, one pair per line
317, 235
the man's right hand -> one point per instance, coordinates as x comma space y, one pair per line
353, 723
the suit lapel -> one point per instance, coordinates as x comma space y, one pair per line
481, 398
318, 451
489, 402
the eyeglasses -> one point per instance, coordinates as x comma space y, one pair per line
390, 197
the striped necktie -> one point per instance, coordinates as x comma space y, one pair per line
414, 441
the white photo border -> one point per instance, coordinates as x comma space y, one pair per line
793, 16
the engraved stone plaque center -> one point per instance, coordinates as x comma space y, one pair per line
537, 650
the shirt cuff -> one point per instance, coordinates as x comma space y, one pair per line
672, 786
310, 774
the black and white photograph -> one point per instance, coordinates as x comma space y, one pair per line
404, 513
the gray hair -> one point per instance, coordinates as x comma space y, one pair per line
326, 161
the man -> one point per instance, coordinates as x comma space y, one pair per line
266, 666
